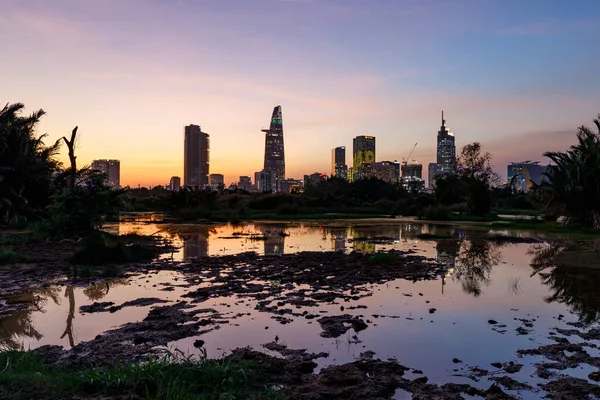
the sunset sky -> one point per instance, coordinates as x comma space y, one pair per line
518, 76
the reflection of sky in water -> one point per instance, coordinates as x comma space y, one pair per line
483, 282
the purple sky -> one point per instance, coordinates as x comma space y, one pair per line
518, 76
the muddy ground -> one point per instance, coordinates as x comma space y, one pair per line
327, 277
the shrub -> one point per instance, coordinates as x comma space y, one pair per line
288, 209
436, 213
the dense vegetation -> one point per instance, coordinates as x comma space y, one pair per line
573, 184
333, 198
34, 185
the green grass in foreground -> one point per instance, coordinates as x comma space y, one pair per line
24, 375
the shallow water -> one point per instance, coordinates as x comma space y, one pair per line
484, 281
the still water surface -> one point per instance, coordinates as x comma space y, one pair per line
484, 281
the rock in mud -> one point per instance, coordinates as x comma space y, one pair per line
97, 307
509, 383
302, 359
568, 388
109, 306
337, 325
594, 376
511, 367
137, 340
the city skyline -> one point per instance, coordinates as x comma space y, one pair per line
517, 76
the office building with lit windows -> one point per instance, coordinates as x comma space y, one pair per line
274, 163
112, 170
363, 151
339, 169
446, 150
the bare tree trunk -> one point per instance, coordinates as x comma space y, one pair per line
72, 158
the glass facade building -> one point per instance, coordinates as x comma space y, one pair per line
274, 151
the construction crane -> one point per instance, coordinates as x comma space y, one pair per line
405, 160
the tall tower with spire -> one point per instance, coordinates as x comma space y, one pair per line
446, 150
274, 165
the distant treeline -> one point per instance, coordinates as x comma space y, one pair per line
331, 198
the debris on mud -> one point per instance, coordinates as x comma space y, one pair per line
571, 388
134, 341
109, 306
509, 383
337, 325
300, 357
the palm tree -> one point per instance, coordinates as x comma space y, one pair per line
572, 187
26, 164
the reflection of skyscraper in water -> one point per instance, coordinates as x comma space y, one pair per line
195, 245
446, 256
363, 246
338, 239
366, 239
275, 240
410, 231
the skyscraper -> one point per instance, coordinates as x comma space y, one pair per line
112, 170
175, 183
363, 151
446, 150
384, 170
217, 181
431, 172
245, 183
339, 168
412, 170
274, 150
195, 157
522, 175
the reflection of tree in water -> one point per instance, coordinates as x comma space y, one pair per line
569, 281
70, 293
100, 290
19, 324
474, 262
